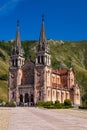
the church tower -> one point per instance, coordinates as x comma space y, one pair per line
16, 62
42, 66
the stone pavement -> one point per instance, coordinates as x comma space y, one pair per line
43, 119
4, 118
73, 112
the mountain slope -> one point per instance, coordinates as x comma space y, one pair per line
63, 53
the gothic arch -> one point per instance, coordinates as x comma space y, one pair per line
26, 97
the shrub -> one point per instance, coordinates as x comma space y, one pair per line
3, 103
57, 105
12, 104
57, 102
45, 104
40, 104
83, 107
67, 102
85, 102
48, 103
49, 107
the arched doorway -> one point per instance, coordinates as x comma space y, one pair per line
32, 98
21, 98
26, 97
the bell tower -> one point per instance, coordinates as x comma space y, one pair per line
42, 64
43, 53
16, 62
17, 55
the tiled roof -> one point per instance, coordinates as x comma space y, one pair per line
64, 71
55, 71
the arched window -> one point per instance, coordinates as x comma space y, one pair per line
16, 62
48, 93
39, 95
12, 62
66, 95
53, 93
13, 95
42, 59
62, 97
38, 59
57, 95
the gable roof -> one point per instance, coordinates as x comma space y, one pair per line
64, 71
60, 72
28, 64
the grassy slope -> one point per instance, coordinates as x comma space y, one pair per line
72, 52
4, 58
67, 52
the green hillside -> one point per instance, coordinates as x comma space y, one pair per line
64, 54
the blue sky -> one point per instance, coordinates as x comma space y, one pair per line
64, 19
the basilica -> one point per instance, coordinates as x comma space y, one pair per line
32, 82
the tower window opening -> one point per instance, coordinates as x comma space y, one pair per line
16, 62
38, 59
42, 59
12, 62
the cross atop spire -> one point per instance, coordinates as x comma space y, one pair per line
42, 33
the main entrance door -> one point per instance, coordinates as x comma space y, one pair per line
26, 97
21, 98
32, 98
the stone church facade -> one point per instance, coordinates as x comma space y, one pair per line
32, 82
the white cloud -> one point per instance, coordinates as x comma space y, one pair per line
9, 6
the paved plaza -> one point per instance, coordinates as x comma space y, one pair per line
25, 118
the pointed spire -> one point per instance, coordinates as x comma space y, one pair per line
17, 48
18, 42
42, 33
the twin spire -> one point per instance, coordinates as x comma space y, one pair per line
18, 41
17, 49
42, 33
43, 45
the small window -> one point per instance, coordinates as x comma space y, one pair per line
57, 80
53, 79
39, 95
53, 93
48, 93
58, 94
77, 96
66, 95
